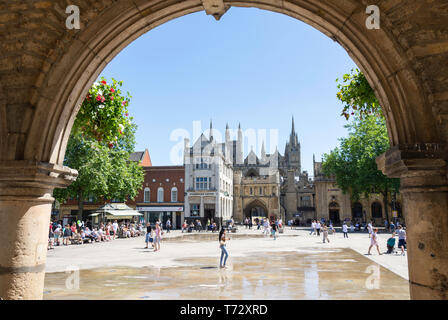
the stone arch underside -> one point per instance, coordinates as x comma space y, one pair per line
46, 70
403, 67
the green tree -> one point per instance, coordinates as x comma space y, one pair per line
101, 141
357, 95
353, 163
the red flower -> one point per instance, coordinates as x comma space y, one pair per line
112, 98
126, 114
111, 145
98, 98
103, 99
104, 82
112, 90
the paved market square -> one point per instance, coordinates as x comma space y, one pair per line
295, 266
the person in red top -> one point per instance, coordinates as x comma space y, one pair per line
73, 227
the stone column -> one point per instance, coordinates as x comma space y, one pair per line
424, 189
25, 206
201, 207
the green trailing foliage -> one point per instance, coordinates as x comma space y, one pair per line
357, 96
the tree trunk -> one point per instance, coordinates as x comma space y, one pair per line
80, 205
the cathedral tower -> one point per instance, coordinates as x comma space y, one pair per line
292, 152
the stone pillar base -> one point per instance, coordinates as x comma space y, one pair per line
25, 208
424, 188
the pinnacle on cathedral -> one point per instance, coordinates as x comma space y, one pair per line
211, 130
293, 139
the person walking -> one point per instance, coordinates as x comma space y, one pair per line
148, 237
345, 229
401, 239
313, 227
222, 246
370, 229
274, 228
325, 233
51, 237
157, 237
168, 225
318, 226
374, 241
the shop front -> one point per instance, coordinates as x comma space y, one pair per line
152, 214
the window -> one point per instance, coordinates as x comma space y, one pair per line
174, 194
202, 183
160, 194
195, 212
146, 195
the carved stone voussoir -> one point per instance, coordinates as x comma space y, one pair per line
32, 179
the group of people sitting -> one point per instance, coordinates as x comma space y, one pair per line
197, 226
80, 233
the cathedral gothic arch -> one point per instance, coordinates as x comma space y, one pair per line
42, 87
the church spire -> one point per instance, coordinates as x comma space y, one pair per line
211, 130
293, 131
227, 133
292, 136
263, 151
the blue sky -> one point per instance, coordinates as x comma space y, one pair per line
253, 67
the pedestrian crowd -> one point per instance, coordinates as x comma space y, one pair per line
396, 230
80, 232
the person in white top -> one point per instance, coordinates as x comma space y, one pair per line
370, 228
374, 241
318, 228
313, 227
345, 230
115, 227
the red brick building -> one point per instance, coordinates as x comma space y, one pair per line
68, 211
162, 195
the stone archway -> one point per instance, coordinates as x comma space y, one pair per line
256, 208
333, 212
46, 72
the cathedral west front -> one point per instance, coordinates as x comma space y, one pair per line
221, 184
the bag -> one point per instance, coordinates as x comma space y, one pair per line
151, 239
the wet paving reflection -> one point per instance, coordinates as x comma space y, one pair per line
304, 274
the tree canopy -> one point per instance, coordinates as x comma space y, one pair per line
101, 141
353, 163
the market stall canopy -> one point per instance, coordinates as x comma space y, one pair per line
118, 210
